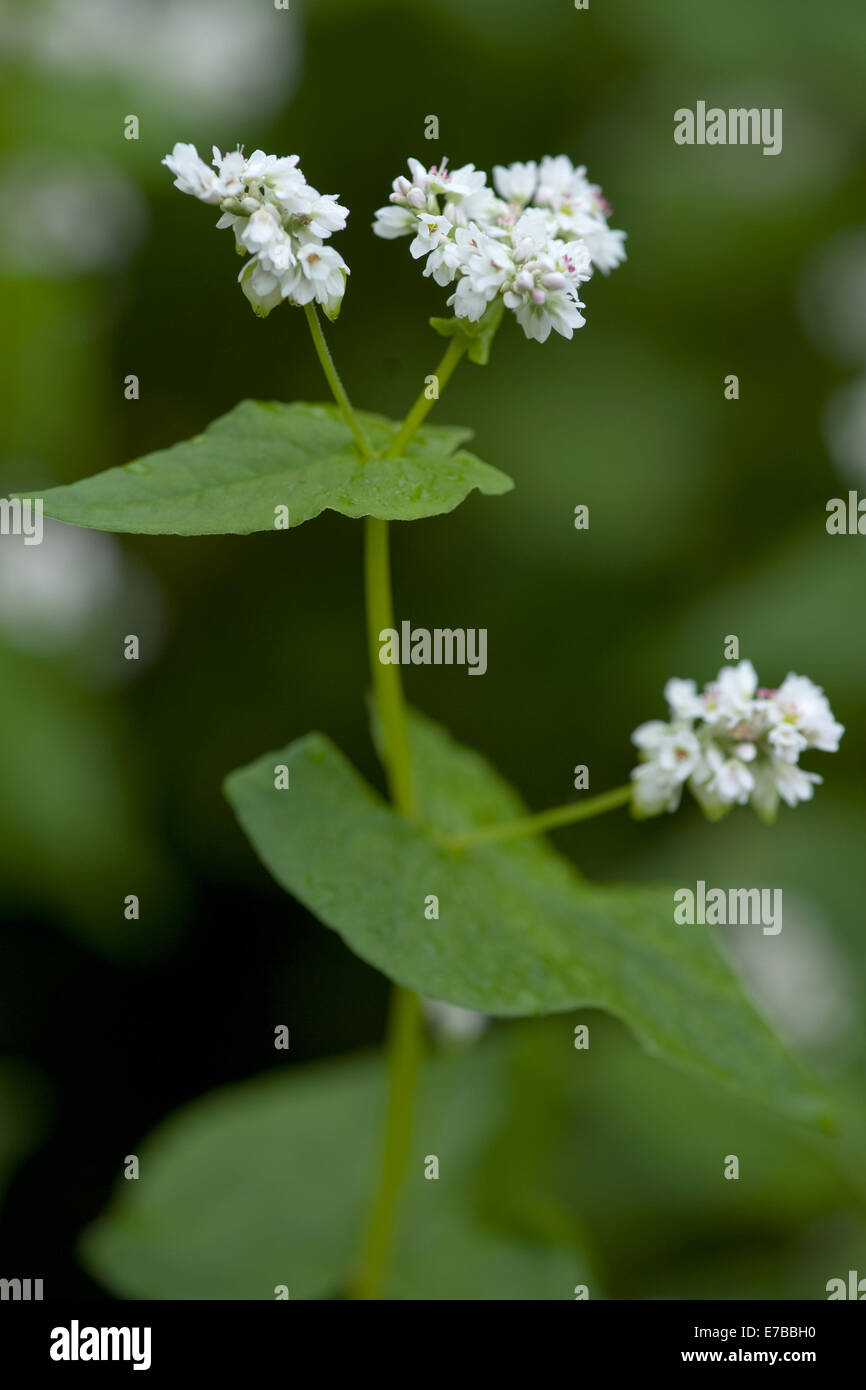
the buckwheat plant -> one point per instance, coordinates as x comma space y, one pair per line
449, 887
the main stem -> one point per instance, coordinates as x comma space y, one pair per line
405, 1022
544, 820
387, 682
403, 1059
405, 1019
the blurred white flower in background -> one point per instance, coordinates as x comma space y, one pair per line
832, 297
832, 302
62, 216
802, 980
80, 593
48, 592
844, 429
225, 56
453, 1024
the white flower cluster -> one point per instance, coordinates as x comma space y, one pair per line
532, 239
279, 221
734, 743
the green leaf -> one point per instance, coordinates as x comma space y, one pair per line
262, 456
519, 933
270, 1182
480, 334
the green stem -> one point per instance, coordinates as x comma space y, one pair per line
403, 1062
403, 1047
333, 376
405, 1023
387, 681
544, 820
423, 405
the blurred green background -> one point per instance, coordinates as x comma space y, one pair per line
707, 518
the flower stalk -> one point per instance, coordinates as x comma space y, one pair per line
543, 821
424, 403
332, 376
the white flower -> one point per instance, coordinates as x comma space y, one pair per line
430, 231
787, 742
319, 274
543, 289
467, 301
257, 232
486, 265
556, 177
393, 222
734, 743
654, 790
482, 207
456, 183
683, 698
277, 218
650, 735
277, 179
533, 238
231, 171
261, 287
192, 175
606, 247
673, 748
445, 261
793, 784
804, 706
326, 216
530, 234
516, 183
272, 166
679, 754
540, 312
730, 699
730, 779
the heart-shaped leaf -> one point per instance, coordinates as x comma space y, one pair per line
266, 466
518, 932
